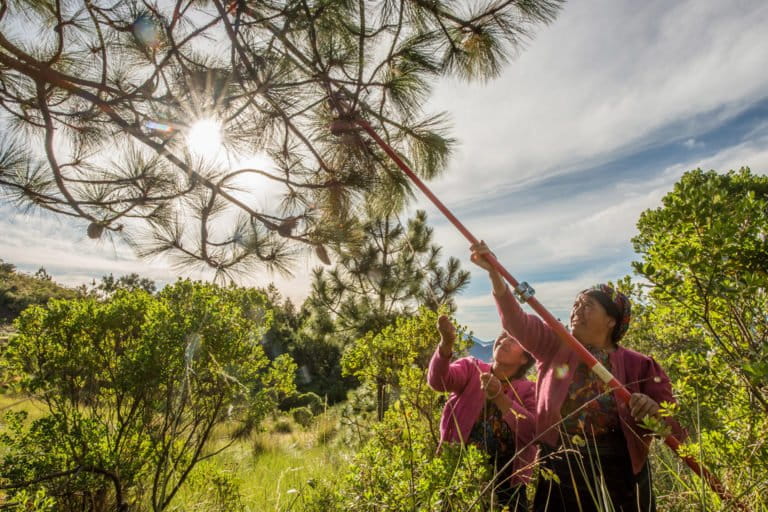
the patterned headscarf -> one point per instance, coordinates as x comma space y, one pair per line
616, 304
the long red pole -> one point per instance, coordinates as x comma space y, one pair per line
526, 294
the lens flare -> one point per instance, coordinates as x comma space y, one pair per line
193, 345
160, 127
204, 137
147, 31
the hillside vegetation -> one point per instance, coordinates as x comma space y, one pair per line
19, 290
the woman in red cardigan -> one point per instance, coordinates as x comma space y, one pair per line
490, 406
591, 443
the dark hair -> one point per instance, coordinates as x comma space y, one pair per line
524, 369
611, 308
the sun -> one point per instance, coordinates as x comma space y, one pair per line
204, 138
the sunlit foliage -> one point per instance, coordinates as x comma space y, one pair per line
134, 386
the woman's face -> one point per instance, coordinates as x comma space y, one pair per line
590, 322
507, 350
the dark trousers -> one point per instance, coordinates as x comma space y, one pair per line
597, 478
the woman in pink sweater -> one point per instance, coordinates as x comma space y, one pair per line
490, 406
592, 444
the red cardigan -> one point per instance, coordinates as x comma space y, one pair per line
464, 405
556, 364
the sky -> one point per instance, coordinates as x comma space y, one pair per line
590, 125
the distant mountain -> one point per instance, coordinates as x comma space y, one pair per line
483, 350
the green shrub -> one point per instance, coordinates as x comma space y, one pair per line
135, 385
398, 470
303, 416
310, 400
19, 291
314, 402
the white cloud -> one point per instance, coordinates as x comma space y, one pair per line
753, 154
693, 143
605, 76
556, 233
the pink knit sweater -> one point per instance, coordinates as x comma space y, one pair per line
462, 379
556, 364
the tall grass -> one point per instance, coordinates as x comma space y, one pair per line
13, 402
270, 470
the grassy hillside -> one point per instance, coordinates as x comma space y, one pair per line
18, 290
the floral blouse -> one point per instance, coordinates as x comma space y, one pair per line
600, 415
493, 435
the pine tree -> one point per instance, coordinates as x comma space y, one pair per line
109, 284
389, 273
393, 270
99, 98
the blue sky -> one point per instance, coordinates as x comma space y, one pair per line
590, 125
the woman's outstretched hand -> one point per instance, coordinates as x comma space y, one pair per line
479, 251
478, 257
447, 335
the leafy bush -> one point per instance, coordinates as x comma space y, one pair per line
704, 318
310, 400
378, 358
398, 470
215, 489
303, 416
282, 426
356, 416
135, 386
